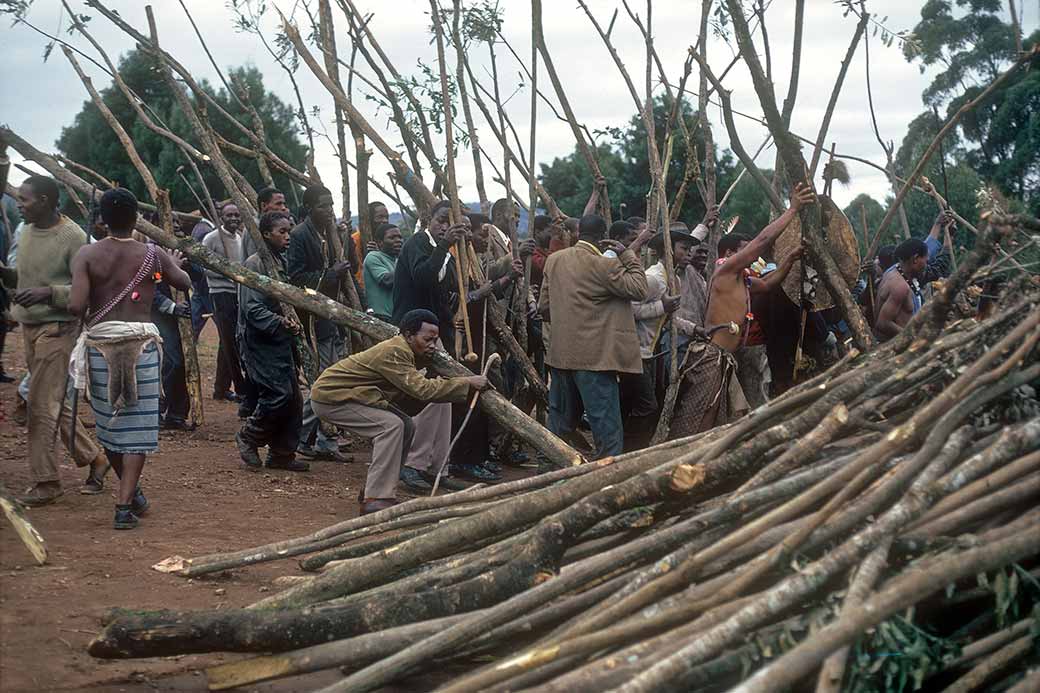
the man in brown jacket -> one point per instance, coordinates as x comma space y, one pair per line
381, 394
588, 298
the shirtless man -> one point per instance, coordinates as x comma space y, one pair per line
899, 294
113, 282
705, 397
731, 287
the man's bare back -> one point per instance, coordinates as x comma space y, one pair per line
110, 265
895, 306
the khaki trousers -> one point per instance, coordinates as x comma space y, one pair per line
420, 442
47, 350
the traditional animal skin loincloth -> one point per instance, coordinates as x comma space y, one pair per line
132, 425
706, 390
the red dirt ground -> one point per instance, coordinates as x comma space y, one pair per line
203, 501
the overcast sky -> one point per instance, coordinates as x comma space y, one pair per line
42, 97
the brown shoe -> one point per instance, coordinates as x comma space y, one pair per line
373, 505
42, 494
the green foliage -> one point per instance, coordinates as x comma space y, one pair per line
896, 656
91, 142
625, 164
1001, 136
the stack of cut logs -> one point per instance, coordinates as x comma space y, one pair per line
877, 527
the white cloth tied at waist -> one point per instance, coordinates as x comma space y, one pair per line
110, 331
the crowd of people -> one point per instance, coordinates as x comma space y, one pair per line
99, 315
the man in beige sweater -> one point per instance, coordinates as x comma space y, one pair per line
41, 298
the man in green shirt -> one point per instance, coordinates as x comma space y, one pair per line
382, 394
48, 243
379, 271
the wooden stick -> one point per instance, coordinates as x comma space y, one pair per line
603, 203
453, 192
23, 528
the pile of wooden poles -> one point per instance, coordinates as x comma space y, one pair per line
887, 508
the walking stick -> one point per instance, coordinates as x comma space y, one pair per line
472, 405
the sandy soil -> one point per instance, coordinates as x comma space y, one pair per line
203, 501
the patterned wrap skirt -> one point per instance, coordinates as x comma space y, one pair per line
131, 429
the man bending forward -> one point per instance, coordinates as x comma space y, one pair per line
117, 357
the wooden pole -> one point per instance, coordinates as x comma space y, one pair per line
459, 251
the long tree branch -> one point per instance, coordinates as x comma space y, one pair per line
833, 102
951, 123
734, 137
420, 194
583, 145
467, 111
791, 155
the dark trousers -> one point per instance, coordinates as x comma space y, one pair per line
598, 392
275, 422
201, 305
473, 446
229, 370
176, 403
638, 393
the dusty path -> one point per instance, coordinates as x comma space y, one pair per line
202, 501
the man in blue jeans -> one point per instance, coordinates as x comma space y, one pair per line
588, 297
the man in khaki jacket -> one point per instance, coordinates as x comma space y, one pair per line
382, 394
588, 298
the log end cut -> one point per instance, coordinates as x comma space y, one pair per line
687, 477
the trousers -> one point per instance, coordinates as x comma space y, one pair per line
229, 368
48, 347
420, 442
330, 350
598, 392
176, 403
275, 421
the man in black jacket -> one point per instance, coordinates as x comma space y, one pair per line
265, 338
425, 275
311, 263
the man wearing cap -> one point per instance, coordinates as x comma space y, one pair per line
383, 394
116, 359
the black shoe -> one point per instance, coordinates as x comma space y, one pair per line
5, 378
323, 455
474, 472
447, 482
177, 424
414, 481
289, 465
139, 504
125, 518
228, 396
248, 453
492, 466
